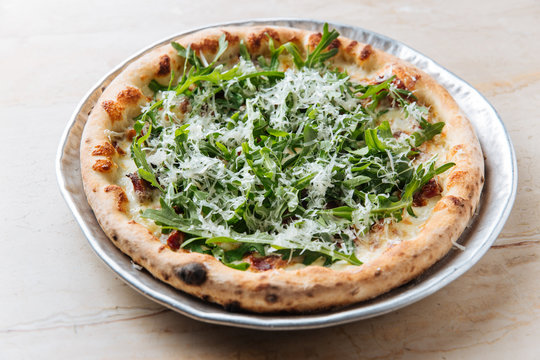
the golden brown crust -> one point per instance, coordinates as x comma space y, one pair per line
120, 196
103, 165
313, 287
104, 150
113, 109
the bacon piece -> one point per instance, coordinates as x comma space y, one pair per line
118, 149
141, 187
431, 189
175, 239
130, 134
378, 226
265, 263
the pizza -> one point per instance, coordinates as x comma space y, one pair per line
276, 169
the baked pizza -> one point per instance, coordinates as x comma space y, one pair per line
277, 169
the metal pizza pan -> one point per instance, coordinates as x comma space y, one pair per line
496, 202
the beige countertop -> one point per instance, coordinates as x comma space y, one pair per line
58, 300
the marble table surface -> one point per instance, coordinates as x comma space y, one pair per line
58, 300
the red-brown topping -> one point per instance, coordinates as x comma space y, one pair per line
118, 149
431, 189
265, 263
130, 134
175, 239
141, 187
378, 226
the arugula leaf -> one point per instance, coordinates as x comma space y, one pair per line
317, 56
427, 133
144, 169
244, 51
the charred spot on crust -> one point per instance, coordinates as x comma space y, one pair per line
120, 197
366, 52
352, 45
103, 165
192, 273
314, 40
113, 109
114, 237
231, 39
336, 44
206, 45
129, 96
271, 298
457, 201
103, 150
233, 306
164, 65
450, 201
184, 106
254, 40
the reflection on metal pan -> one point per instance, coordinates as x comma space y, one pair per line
495, 205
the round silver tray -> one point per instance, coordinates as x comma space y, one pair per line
496, 202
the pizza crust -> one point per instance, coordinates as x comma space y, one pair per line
313, 287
